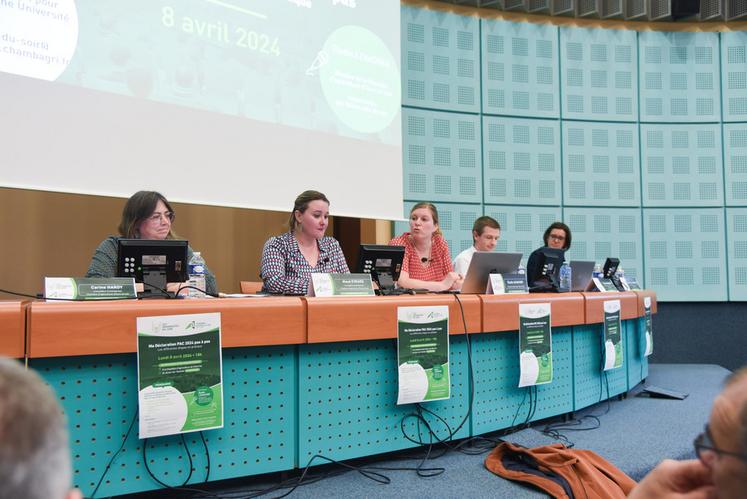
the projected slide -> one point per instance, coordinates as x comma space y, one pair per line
326, 66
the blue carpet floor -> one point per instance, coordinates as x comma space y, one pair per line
634, 434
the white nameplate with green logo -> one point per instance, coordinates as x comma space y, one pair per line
603, 284
341, 285
499, 284
535, 344
649, 329
89, 288
180, 374
423, 354
613, 345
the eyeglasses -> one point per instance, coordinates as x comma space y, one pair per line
557, 237
704, 442
156, 217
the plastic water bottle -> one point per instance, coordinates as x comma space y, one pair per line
196, 276
522, 270
565, 277
597, 270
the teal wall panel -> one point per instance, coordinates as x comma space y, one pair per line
440, 60
682, 165
600, 164
736, 220
441, 156
522, 226
602, 232
635, 360
735, 169
591, 383
520, 69
521, 163
679, 77
599, 74
734, 75
684, 253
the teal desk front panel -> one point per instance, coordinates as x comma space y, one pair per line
99, 396
347, 400
636, 362
498, 402
591, 385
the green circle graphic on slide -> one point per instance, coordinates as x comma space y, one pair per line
37, 39
360, 79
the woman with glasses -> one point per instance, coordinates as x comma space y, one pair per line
146, 215
557, 236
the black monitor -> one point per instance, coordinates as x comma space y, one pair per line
154, 262
548, 280
383, 262
609, 271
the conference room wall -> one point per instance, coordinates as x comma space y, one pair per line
637, 139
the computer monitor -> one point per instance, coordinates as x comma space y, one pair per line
548, 280
153, 262
383, 262
485, 263
609, 271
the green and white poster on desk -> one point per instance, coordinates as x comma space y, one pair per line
613, 346
649, 332
423, 354
180, 374
535, 344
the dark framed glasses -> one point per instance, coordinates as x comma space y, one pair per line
704, 442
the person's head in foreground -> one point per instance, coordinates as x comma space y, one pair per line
721, 468
557, 235
147, 215
34, 454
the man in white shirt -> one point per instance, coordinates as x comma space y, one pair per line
485, 233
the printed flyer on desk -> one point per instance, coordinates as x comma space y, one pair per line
180, 374
423, 354
649, 333
535, 344
613, 345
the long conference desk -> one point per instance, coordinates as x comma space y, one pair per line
308, 376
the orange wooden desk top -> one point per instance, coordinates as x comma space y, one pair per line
89, 328
501, 312
375, 317
595, 305
12, 328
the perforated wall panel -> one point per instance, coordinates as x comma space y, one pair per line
521, 161
591, 383
734, 74
682, 165
736, 231
600, 164
522, 226
684, 253
599, 74
634, 356
440, 60
735, 155
347, 407
99, 395
498, 401
679, 77
603, 232
441, 156
520, 69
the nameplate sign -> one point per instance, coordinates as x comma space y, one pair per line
603, 284
341, 285
499, 284
90, 288
630, 283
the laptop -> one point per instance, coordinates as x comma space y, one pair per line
581, 272
485, 263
